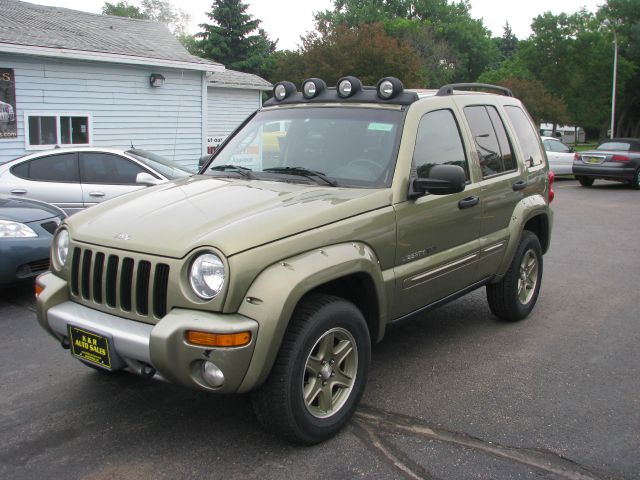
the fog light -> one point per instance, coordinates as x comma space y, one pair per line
212, 374
348, 86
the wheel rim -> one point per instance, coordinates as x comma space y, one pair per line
330, 373
527, 277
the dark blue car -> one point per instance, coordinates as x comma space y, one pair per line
26, 231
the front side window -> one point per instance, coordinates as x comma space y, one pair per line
438, 142
349, 146
106, 168
48, 130
62, 167
527, 135
490, 138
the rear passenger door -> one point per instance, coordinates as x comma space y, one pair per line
106, 175
502, 183
53, 179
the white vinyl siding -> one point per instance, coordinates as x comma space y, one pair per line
227, 108
125, 110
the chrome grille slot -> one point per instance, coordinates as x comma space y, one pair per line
137, 287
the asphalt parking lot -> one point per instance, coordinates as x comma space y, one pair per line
457, 395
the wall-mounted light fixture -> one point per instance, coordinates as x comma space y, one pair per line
156, 80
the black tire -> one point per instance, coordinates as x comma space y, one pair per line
318, 322
585, 181
635, 183
514, 297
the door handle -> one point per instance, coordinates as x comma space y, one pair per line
468, 202
96, 194
18, 191
519, 185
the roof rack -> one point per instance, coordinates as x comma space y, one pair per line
448, 89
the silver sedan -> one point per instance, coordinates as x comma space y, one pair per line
560, 156
75, 178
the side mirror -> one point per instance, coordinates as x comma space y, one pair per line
443, 180
144, 178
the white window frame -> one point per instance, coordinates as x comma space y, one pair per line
57, 115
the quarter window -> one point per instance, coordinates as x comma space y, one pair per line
439, 143
527, 135
490, 138
47, 130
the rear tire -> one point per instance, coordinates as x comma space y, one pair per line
635, 183
585, 181
514, 297
320, 373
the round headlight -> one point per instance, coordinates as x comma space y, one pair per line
312, 87
61, 247
206, 275
282, 90
348, 86
389, 87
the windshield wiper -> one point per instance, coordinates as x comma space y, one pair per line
302, 172
242, 171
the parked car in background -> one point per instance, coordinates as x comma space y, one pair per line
560, 156
615, 159
26, 229
76, 178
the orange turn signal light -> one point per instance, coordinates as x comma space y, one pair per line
207, 339
39, 290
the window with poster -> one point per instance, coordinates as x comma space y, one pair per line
8, 124
44, 130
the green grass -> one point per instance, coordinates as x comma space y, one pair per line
585, 146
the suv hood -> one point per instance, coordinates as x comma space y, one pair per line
232, 215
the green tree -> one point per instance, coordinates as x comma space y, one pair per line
123, 9
161, 11
541, 104
367, 52
234, 37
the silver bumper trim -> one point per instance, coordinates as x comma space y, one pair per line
130, 338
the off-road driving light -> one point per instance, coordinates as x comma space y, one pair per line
207, 339
206, 275
312, 87
212, 374
61, 247
389, 87
282, 90
348, 86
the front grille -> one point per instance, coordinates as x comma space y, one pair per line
120, 282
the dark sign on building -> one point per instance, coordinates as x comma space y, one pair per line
8, 122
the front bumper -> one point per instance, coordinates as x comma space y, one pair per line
23, 258
158, 350
605, 171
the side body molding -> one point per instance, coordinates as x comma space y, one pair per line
273, 295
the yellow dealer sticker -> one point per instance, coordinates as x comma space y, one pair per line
89, 347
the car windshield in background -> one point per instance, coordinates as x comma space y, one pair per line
166, 167
323, 145
622, 146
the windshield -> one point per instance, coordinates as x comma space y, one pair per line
325, 145
162, 165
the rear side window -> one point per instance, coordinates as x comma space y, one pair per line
438, 143
527, 135
53, 168
490, 137
106, 168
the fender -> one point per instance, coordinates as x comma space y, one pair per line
525, 210
274, 294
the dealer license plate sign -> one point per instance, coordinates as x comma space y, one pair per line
89, 347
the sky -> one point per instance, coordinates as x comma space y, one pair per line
287, 20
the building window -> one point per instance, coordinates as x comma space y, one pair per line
46, 130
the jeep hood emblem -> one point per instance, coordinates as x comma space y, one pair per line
123, 236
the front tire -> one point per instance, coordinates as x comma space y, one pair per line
585, 181
514, 297
320, 373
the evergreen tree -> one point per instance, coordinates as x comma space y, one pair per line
235, 38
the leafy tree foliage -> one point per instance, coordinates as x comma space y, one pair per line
367, 52
234, 38
161, 11
541, 104
123, 9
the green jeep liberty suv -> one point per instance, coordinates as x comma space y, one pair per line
275, 270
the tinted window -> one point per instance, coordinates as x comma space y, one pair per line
556, 146
54, 168
622, 146
438, 143
43, 131
526, 134
106, 168
492, 143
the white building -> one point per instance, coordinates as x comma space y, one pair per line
76, 78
